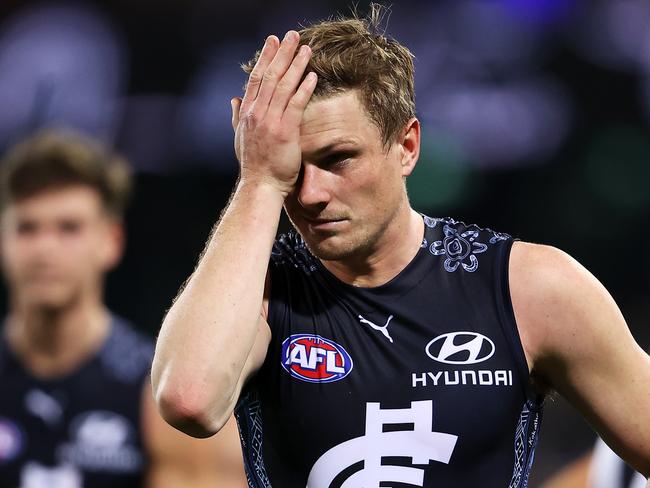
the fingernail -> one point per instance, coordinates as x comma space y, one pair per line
289, 35
304, 49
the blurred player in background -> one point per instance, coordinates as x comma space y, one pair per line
76, 408
601, 468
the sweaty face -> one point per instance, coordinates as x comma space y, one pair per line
56, 246
350, 187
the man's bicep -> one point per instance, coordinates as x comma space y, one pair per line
267, 296
582, 347
263, 339
257, 354
612, 393
609, 382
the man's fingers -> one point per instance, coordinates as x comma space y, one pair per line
287, 86
255, 79
298, 102
276, 70
235, 105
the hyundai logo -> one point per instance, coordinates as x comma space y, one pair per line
460, 348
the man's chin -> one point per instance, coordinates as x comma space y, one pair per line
47, 300
332, 248
326, 254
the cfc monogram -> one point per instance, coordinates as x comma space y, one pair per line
420, 444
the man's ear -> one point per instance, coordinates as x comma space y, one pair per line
113, 247
410, 146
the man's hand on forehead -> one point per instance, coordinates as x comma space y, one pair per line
267, 120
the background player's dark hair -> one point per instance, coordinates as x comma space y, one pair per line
354, 54
56, 159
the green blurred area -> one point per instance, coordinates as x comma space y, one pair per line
442, 177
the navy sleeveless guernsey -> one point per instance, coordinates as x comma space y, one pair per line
81, 430
420, 382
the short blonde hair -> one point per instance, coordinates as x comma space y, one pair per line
352, 54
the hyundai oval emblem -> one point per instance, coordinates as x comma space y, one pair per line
460, 348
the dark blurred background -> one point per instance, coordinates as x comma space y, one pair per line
535, 116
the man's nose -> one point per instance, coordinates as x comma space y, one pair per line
45, 241
312, 187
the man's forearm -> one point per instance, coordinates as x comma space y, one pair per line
207, 343
209, 331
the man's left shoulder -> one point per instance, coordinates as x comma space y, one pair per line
544, 268
554, 298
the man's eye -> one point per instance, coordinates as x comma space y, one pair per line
26, 228
336, 160
69, 227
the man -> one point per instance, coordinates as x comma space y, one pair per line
379, 347
75, 402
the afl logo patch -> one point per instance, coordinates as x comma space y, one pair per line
460, 348
315, 359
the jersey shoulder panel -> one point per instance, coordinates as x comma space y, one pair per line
127, 353
461, 245
290, 250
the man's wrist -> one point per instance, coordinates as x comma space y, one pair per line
262, 188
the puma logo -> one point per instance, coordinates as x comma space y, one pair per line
381, 328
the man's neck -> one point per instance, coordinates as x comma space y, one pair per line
53, 343
395, 249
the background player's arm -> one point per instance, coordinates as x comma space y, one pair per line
177, 460
213, 338
578, 343
574, 475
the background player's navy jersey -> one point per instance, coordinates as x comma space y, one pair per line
81, 430
419, 382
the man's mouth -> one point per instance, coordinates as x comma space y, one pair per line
323, 223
